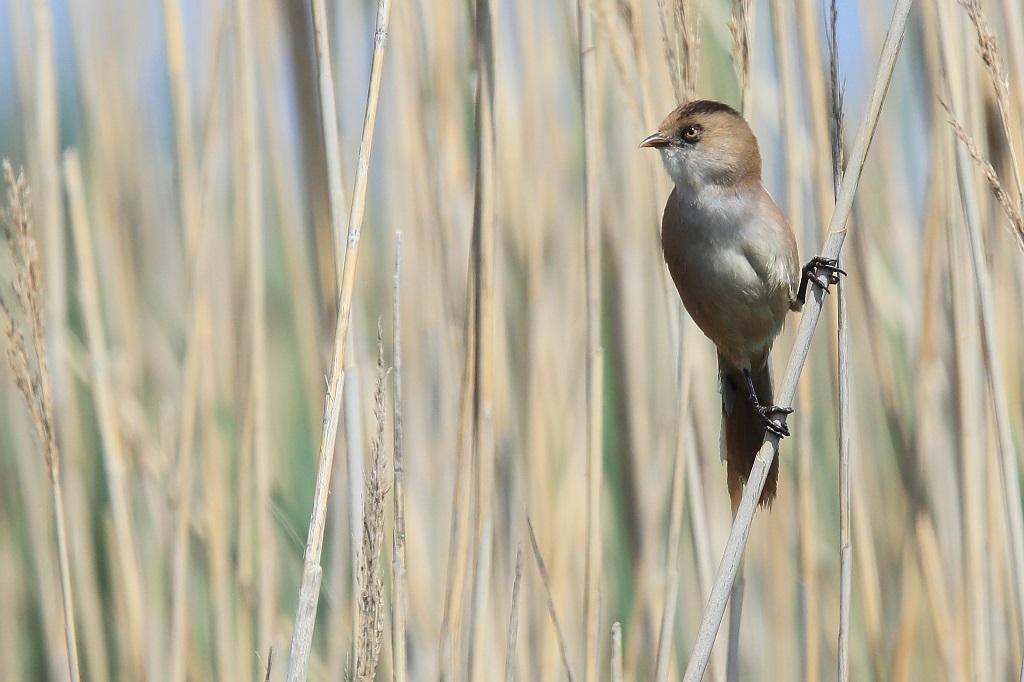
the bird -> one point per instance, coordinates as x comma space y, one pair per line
734, 261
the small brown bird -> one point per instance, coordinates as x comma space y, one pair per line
734, 261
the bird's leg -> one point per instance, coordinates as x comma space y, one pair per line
810, 274
765, 411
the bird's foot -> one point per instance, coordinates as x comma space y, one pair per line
812, 272
829, 265
765, 413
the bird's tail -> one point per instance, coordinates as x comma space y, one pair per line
742, 431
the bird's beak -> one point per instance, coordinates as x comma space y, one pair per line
655, 140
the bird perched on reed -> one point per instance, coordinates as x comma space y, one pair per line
734, 261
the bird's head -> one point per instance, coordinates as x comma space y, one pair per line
705, 143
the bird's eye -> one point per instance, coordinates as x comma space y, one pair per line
692, 133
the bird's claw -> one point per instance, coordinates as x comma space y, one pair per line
778, 428
829, 265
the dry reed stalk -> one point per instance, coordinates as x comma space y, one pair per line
616, 661
671, 597
255, 467
930, 563
968, 389
988, 46
114, 455
837, 234
513, 620
181, 111
458, 536
370, 625
286, 182
873, 300
545, 580
868, 573
927, 421
699, 525
188, 207
970, 414
732, 659
111, 129
1012, 508
680, 38
205, 313
1013, 20
329, 122
783, 40
845, 544
809, 22
285, 229
807, 586
909, 614
595, 354
836, 122
354, 424
309, 594
399, 597
270, 664
88, 600
41, 575
624, 51
484, 228
741, 28
33, 379
45, 152
836, 125
992, 178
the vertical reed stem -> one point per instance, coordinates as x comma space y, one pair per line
595, 356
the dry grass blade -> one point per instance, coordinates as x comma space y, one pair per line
33, 379
546, 581
732, 556
298, 659
370, 625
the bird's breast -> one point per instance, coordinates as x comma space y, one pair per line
734, 269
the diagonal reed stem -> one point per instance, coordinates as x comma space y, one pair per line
309, 590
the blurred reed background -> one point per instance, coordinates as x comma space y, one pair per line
188, 286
